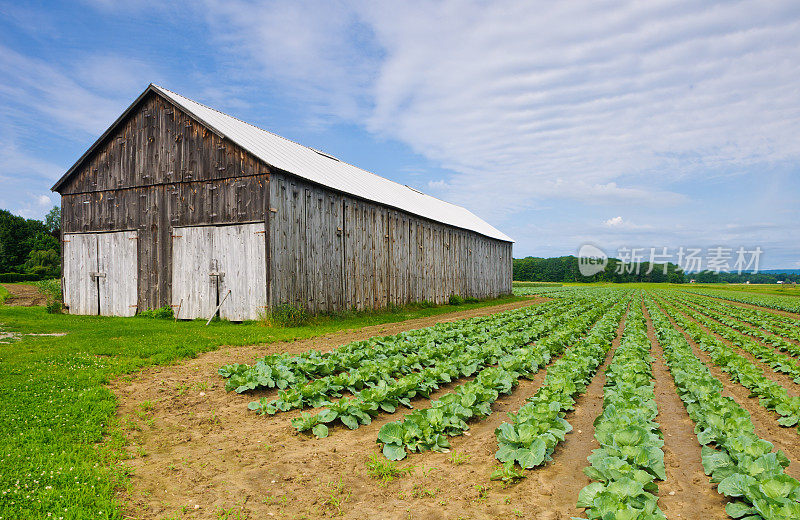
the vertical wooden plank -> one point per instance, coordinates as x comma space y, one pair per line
80, 287
240, 251
117, 264
192, 260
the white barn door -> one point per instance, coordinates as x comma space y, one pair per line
194, 289
241, 253
117, 278
213, 264
80, 269
101, 273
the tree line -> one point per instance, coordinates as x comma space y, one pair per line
566, 269
29, 249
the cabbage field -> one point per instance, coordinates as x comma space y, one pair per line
731, 359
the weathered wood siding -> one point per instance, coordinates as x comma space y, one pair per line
161, 169
329, 252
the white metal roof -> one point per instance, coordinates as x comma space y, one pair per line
328, 171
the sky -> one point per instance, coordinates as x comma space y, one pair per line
644, 124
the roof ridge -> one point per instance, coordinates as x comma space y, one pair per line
308, 147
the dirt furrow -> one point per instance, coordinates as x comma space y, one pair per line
765, 422
687, 491
24, 295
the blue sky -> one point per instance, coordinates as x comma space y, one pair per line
649, 124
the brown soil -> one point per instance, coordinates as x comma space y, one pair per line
198, 449
24, 295
765, 422
780, 378
687, 491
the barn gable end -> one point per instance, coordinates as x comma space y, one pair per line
155, 170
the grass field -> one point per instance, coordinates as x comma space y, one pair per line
60, 443
207, 432
772, 288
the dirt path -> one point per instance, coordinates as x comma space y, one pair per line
552, 491
687, 491
196, 448
24, 295
765, 422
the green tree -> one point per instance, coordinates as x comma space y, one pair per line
52, 221
20, 236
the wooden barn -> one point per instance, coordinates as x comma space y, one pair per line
179, 204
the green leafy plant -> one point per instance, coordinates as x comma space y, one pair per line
160, 313
508, 474
455, 300
745, 466
52, 290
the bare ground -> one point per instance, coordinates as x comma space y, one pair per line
24, 295
196, 449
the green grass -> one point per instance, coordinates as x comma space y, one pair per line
772, 288
60, 446
537, 284
3, 294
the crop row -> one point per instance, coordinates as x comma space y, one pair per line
284, 370
772, 395
629, 460
534, 431
429, 428
779, 324
741, 322
387, 396
778, 361
744, 466
770, 301
382, 370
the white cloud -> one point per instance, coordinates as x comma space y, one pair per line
84, 97
43, 200
613, 222
595, 102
